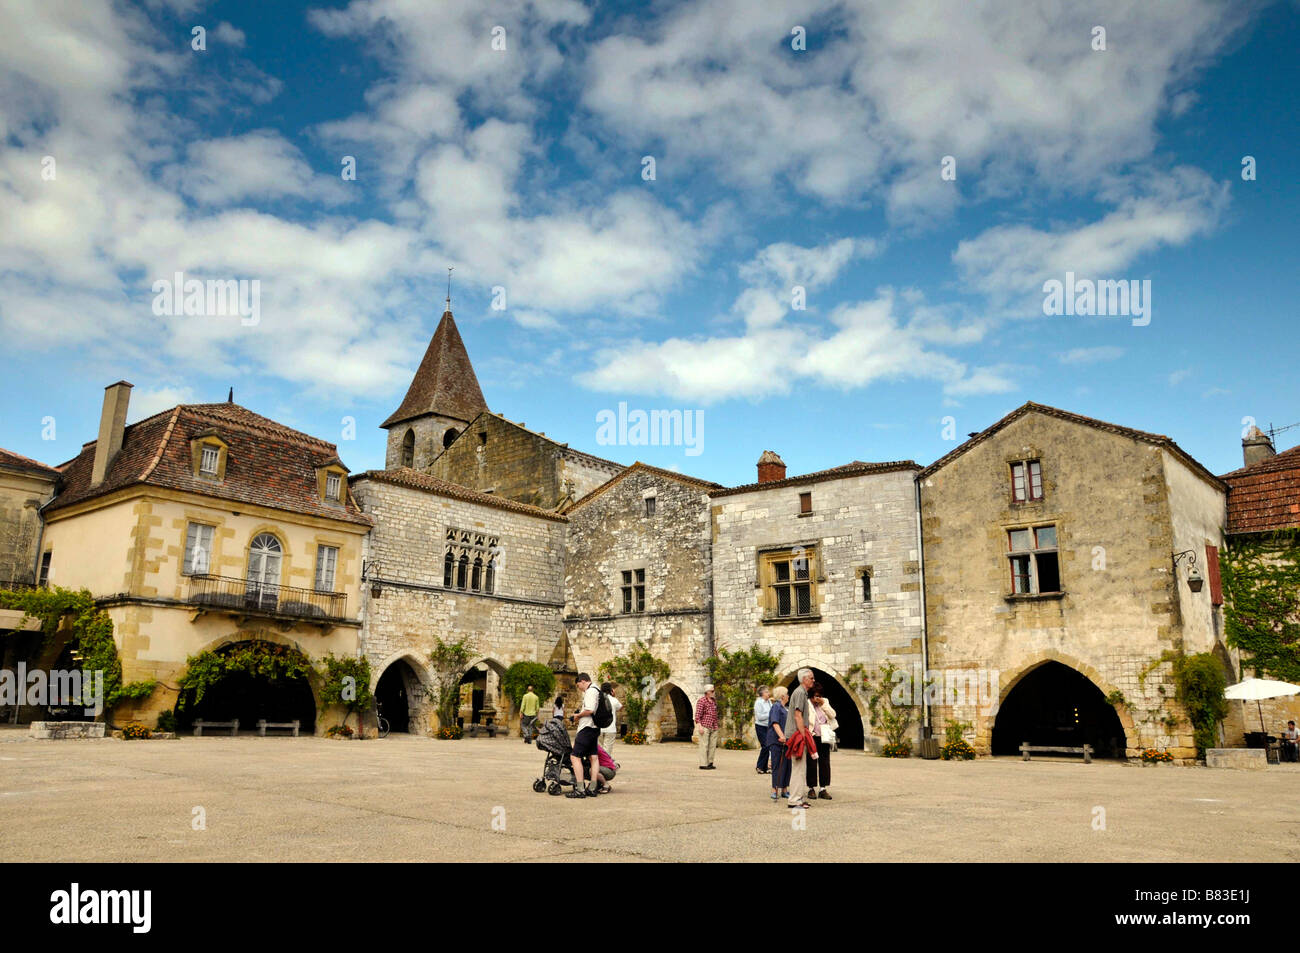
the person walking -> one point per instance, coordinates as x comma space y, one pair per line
776, 745
799, 739
762, 712
584, 745
528, 707
706, 721
610, 732
557, 710
823, 726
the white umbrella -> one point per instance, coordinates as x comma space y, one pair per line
1257, 688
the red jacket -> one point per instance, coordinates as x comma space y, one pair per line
799, 744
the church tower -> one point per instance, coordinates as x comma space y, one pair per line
443, 397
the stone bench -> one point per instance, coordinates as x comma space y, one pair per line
1086, 750
490, 728
200, 724
263, 724
61, 730
1250, 759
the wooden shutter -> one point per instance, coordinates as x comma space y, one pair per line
1212, 573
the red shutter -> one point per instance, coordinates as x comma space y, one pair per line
1212, 571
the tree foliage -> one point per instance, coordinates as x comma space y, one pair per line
91, 635
1200, 683
346, 681
737, 677
267, 660
1261, 579
449, 661
890, 698
643, 678
519, 676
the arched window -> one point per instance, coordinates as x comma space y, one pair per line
264, 571
448, 568
408, 449
449, 436
476, 579
462, 570
489, 580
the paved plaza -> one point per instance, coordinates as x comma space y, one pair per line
416, 799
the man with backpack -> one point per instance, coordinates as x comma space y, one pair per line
591, 712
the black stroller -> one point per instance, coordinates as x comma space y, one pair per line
557, 772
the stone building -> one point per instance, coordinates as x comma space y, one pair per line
1264, 517
1057, 556
204, 527
449, 562
639, 568
25, 486
824, 570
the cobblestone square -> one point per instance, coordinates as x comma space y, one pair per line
409, 798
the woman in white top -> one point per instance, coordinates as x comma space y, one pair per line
822, 725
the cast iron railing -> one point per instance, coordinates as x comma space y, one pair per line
247, 595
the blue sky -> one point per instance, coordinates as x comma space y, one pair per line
774, 167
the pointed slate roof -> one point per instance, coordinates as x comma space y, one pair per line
445, 383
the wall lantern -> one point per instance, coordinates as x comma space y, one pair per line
1194, 578
370, 573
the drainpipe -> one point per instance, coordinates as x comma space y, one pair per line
925, 634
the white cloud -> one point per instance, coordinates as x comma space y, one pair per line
229, 35
1091, 355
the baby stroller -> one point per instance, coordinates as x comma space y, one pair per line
557, 772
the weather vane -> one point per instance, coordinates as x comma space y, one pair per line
449, 271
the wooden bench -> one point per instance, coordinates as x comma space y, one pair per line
263, 724
200, 724
1086, 750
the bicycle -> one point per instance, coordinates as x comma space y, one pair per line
380, 721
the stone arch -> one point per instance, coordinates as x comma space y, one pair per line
853, 718
489, 695
672, 717
416, 678
986, 719
313, 680
449, 437
408, 448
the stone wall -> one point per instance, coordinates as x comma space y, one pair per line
21, 495
429, 430
611, 534
519, 621
1109, 498
862, 522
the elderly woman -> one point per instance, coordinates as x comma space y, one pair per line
762, 715
776, 744
823, 728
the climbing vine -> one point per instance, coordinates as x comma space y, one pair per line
1200, 685
738, 676
346, 681
1261, 579
264, 659
92, 634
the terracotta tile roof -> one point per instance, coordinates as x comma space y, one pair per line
416, 480
16, 461
444, 383
1266, 495
642, 468
856, 468
267, 463
1031, 408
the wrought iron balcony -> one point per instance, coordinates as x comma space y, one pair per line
244, 596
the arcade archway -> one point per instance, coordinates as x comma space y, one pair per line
251, 681
1056, 705
673, 715
394, 694
850, 733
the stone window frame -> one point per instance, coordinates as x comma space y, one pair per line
806, 497
1030, 557
43, 574
209, 439
407, 458
864, 594
321, 549
632, 590
187, 568
649, 503
1027, 460
766, 581
323, 474
472, 561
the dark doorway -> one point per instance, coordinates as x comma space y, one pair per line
1055, 705
390, 696
677, 720
250, 698
849, 733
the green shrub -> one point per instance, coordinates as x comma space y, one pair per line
642, 676
737, 676
519, 676
167, 720
1200, 685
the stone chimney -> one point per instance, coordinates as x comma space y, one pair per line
1256, 446
770, 467
112, 423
